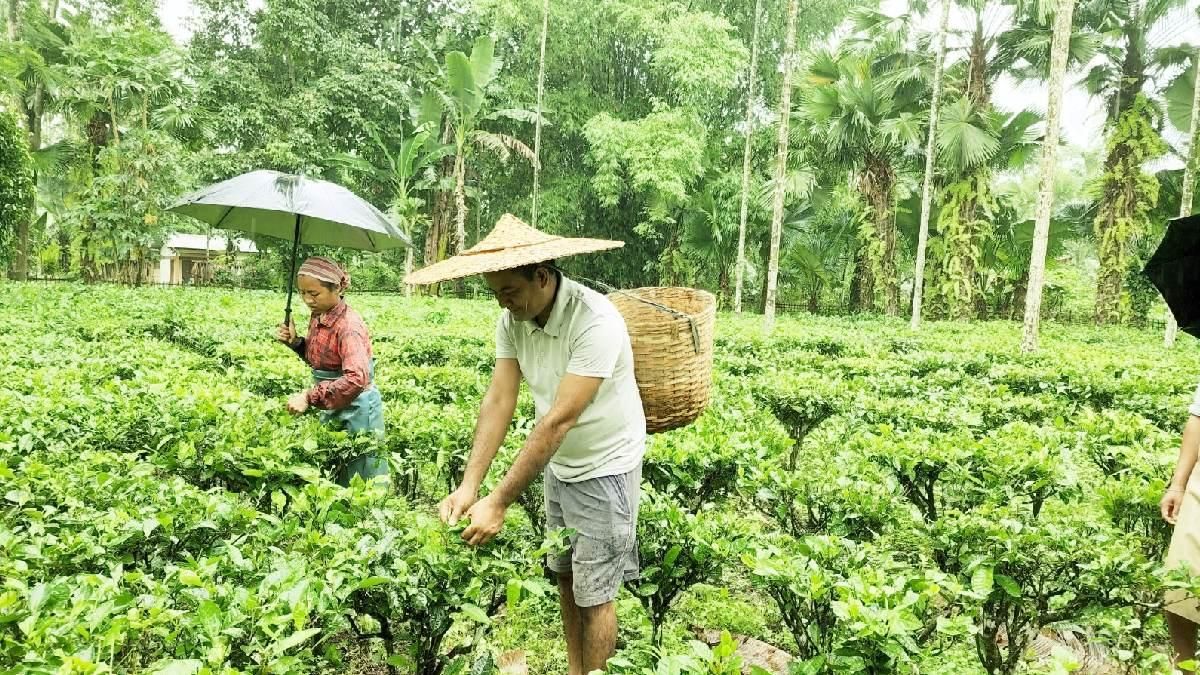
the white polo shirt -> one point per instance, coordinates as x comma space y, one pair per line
585, 335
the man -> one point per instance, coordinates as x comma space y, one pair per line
1178, 506
572, 347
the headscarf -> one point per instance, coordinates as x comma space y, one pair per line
324, 269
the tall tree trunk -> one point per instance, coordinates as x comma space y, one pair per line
978, 88
408, 269
14, 20
785, 110
862, 283
1128, 194
966, 214
537, 124
877, 250
20, 267
437, 237
34, 118
930, 152
1189, 177
745, 207
460, 213
460, 202
1041, 231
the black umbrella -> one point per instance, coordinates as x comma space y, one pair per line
1174, 269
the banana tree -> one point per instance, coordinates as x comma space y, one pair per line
407, 172
461, 99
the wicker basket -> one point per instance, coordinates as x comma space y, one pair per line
672, 334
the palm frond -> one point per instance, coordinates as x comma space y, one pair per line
504, 146
824, 68
962, 139
1155, 11
58, 157
906, 131
1019, 139
519, 115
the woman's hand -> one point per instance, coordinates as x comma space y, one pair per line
286, 333
298, 403
1170, 504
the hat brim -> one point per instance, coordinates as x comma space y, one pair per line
470, 264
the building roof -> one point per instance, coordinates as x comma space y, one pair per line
198, 242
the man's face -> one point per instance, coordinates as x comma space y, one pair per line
316, 295
524, 298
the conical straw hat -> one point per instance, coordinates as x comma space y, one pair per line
511, 244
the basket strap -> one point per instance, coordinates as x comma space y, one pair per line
610, 289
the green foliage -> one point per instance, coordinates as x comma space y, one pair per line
701, 57
657, 156
16, 180
679, 549
1126, 195
846, 613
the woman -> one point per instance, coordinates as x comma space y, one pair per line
338, 348
1181, 508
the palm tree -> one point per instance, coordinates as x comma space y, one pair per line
1130, 61
974, 143
871, 126
785, 114
927, 186
708, 233
1041, 235
751, 76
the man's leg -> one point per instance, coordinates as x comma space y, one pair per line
603, 512
1183, 637
599, 635
572, 625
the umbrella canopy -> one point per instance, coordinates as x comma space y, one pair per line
268, 203
296, 209
1175, 270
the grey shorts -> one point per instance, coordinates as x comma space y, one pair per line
604, 552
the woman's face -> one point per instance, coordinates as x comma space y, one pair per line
317, 295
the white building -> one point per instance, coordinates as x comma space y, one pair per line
186, 258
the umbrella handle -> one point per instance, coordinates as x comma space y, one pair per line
287, 312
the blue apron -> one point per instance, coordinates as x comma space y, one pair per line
364, 414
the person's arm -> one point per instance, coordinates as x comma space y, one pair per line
1188, 450
574, 394
495, 414
572, 398
594, 354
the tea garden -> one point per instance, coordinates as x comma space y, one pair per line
867, 499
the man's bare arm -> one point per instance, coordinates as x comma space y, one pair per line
574, 394
495, 414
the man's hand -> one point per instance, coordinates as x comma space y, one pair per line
1170, 504
298, 403
487, 517
455, 505
286, 333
